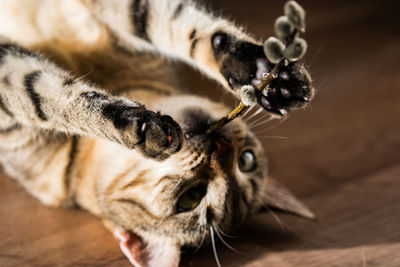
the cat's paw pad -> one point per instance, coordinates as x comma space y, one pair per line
290, 90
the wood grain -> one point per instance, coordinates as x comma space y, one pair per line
341, 158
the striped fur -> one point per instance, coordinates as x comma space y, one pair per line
106, 131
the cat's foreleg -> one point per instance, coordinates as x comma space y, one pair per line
180, 28
214, 45
36, 93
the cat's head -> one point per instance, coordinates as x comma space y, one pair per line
212, 184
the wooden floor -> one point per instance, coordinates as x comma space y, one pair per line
342, 157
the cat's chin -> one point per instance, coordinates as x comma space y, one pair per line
141, 253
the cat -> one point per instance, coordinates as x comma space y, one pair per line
92, 115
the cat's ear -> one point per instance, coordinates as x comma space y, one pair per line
144, 255
276, 195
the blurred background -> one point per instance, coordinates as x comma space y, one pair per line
341, 156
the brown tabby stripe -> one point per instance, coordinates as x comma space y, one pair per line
29, 82
6, 80
10, 129
177, 11
139, 180
232, 197
193, 47
119, 47
192, 34
5, 109
254, 186
245, 200
140, 206
210, 215
115, 183
71, 160
68, 82
6, 49
140, 14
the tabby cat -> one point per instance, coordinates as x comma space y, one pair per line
91, 115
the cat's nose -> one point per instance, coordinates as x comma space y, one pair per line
222, 151
221, 146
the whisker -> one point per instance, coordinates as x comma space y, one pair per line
311, 107
322, 83
259, 118
177, 184
279, 221
163, 166
201, 242
83, 76
247, 112
230, 236
260, 121
223, 241
315, 57
273, 126
214, 247
271, 136
254, 114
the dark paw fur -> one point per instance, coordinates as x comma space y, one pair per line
153, 134
237, 58
242, 63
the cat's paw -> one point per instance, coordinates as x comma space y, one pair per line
242, 62
290, 90
156, 136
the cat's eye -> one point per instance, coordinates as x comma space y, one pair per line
191, 198
247, 161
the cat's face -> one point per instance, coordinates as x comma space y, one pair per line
213, 181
